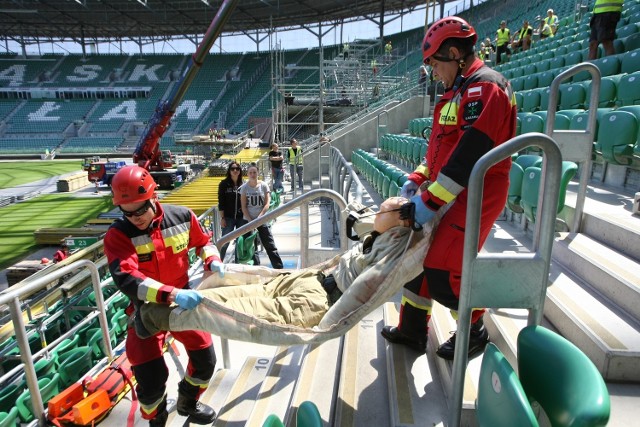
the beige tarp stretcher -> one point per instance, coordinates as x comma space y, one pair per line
370, 289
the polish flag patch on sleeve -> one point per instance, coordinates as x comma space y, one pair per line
474, 92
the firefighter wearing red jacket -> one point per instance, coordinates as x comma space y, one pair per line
476, 113
147, 251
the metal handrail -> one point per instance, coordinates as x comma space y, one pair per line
12, 298
576, 145
343, 177
504, 280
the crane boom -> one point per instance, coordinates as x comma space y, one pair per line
147, 153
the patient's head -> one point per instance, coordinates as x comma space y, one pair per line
388, 216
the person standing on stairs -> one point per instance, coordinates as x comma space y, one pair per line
296, 166
229, 202
476, 113
255, 198
148, 255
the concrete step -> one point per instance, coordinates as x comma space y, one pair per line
612, 274
600, 329
277, 387
415, 399
362, 397
244, 391
318, 379
440, 329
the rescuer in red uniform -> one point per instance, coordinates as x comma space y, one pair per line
476, 113
147, 251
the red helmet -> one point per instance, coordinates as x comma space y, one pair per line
132, 184
443, 29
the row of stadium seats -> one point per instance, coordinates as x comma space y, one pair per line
619, 90
524, 184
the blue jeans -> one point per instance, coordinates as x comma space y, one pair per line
232, 223
277, 174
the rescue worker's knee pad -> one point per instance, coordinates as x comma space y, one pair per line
203, 361
151, 378
439, 287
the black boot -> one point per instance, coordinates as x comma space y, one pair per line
161, 418
198, 412
396, 336
478, 339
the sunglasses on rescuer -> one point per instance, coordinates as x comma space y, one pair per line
234, 168
138, 212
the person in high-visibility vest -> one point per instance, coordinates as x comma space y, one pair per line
552, 21
523, 37
503, 36
545, 30
606, 14
294, 156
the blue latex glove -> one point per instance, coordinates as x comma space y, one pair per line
408, 189
188, 299
422, 214
217, 267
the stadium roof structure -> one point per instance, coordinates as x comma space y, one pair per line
85, 21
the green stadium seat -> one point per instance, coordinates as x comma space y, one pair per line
572, 96
560, 51
531, 100
272, 421
245, 248
501, 402
544, 99
46, 368
308, 415
630, 62
517, 84
73, 364
573, 57
66, 345
526, 160
9, 394
545, 78
10, 418
629, 89
561, 378
530, 82
631, 42
394, 190
531, 186
627, 30
48, 389
386, 184
608, 92
617, 136
532, 123
608, 66
530, 68
519, 100
516, 174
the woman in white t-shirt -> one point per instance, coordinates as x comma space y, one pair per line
255, 198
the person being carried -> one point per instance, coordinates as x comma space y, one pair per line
148, 255
299, 298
